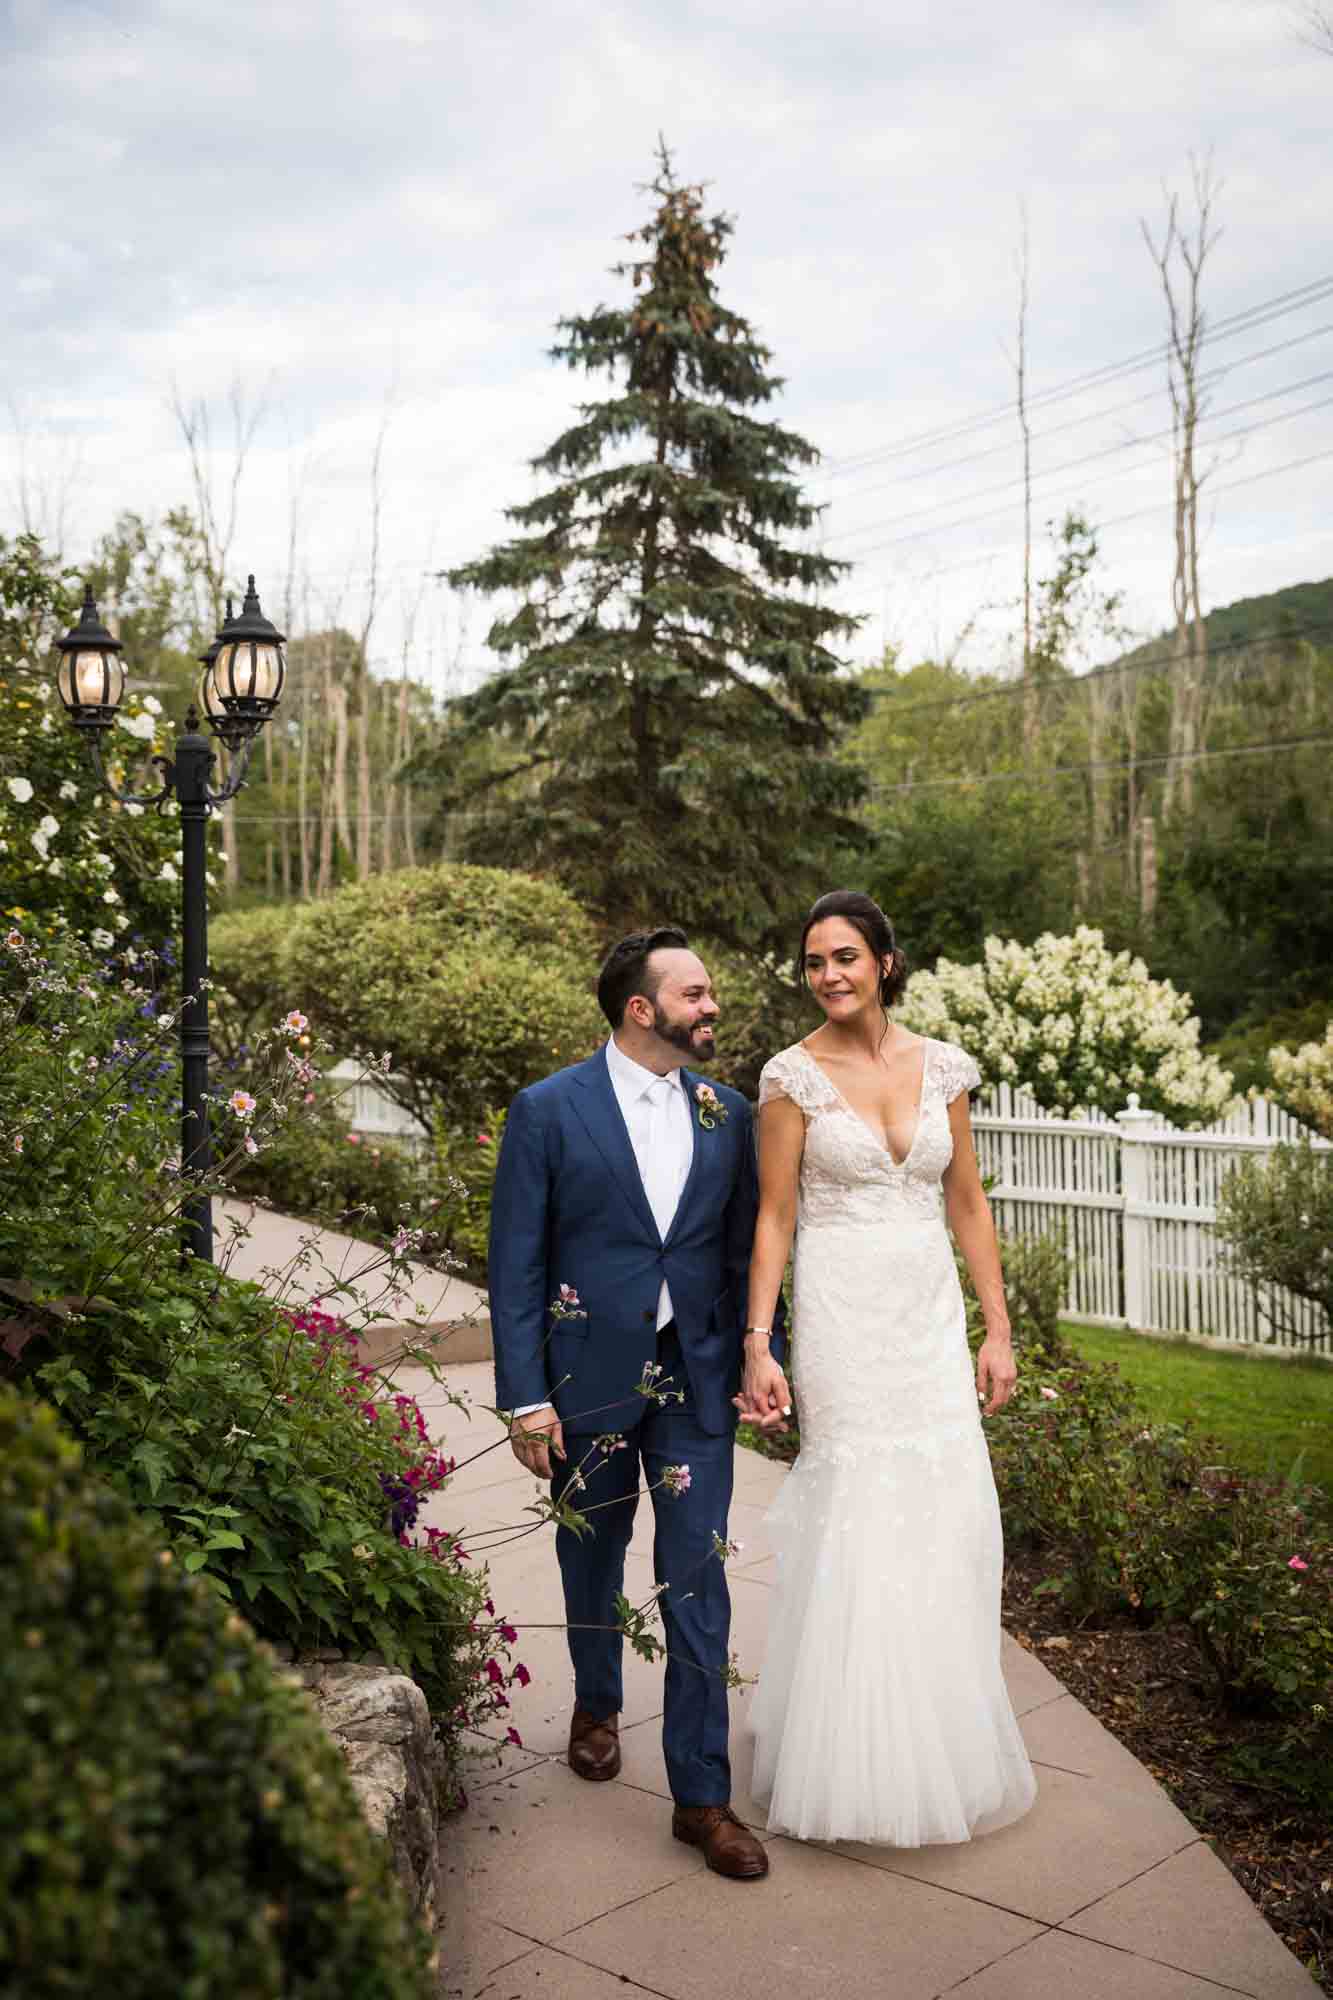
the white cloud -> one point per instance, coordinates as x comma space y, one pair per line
328, 201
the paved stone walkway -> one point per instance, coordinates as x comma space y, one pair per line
555, 1889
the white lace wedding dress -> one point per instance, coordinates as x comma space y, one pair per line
881, 1712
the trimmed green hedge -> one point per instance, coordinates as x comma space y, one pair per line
474, 981
174, 1824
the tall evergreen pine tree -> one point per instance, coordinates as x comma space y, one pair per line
670, 722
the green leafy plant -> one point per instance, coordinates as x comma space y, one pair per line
473, 981
1275, 1217
173, 1819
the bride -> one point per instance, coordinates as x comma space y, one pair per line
881, 1713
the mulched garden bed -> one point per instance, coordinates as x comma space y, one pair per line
1146, 1687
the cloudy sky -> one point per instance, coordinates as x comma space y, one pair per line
371, 215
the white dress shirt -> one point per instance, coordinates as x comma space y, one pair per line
656, 1111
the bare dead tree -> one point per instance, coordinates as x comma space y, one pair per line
362, 667
45, 481
1180, 258
1031, 717
1317, 28
398, 730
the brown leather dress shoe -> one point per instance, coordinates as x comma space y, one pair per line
729, 1848
594, 1746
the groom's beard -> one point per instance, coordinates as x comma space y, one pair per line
696, 1041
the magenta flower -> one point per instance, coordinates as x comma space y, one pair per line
494, 1673
1298, 1562
508, 1634
512, 1736
521, 1675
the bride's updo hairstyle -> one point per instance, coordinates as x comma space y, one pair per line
865, 915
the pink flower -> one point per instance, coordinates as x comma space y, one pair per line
354, 1138
1051, 1395
242, 1104
296, 1023
483, 1138
494, 1673
512, 1736
676, 1478
508, 1634
1298, 1562
250, 1146
521, 1675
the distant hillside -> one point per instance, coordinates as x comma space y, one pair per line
1300, 608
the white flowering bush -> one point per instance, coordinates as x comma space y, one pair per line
1075, 1025
71, 858
1303, 1081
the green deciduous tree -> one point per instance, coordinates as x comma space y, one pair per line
671, 708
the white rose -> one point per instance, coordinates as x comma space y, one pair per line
102, 940
49, 825
120, 921
68, 789
39, 841
20, 789
141, 726
110, 896
46, 725
152, 704
134, 812
56, 867
167, 872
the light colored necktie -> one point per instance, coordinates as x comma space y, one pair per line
661, 1174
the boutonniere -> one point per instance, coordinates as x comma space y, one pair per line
712, 1111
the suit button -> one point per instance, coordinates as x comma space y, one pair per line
648, 1318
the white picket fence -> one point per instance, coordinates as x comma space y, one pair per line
1136, 1199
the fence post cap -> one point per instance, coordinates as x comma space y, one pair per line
1133, 1114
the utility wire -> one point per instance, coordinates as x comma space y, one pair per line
1222, 329
1118, 520
1008, 445
1113, 668
1042, 776
989, 513
1106, 451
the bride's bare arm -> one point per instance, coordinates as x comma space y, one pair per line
973, 1227
764, 1391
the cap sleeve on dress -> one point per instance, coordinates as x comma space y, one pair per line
957, 1072
787, 1076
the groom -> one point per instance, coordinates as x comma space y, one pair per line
621, 1224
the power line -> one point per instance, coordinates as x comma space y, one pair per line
1008, 445
1112, 669
1135, 514
1105, 451
1242, 322
989, 513
1030, 776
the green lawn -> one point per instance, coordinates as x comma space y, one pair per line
1263, 1411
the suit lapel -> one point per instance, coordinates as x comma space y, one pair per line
601, 1116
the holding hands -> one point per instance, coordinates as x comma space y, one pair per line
765, 1399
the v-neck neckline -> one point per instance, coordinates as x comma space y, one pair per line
877, 1138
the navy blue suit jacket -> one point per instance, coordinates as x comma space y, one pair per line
569, 1209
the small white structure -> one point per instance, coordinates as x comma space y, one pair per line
1137, 1201
369, 1109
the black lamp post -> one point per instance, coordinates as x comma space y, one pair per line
239, 689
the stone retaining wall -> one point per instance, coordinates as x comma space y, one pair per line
379, 1720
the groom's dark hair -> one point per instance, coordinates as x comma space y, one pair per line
626, 971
